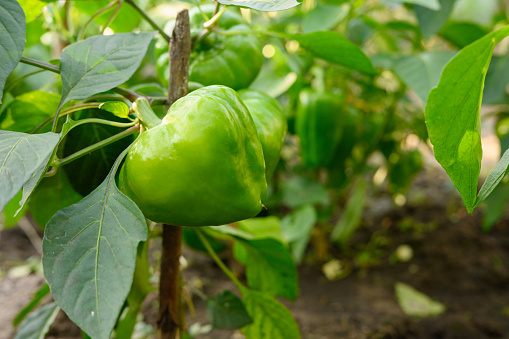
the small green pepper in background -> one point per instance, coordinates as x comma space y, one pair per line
232, 61
271, 126
319, 126
202, 166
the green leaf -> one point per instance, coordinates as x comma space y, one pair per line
100, 63
296, 228
28, 110
493, 179
12, 38
32, 8
421, 72
273, 84
23, 159
37, 324
262, 5
50, 196
430, 21
415, 303
260, 228
453, 115
89, 255
118, 108
269, 266
226, 311
495, 206
334, 48
39, 295
351, 216
323, 17
270, 318
431, 4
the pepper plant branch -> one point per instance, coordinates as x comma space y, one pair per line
113, 15
132, 130
128, 94
149, 19
64, 112
40, 64
171, 314
214, 19
93, 17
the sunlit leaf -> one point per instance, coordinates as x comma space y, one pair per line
453, 115
415, 303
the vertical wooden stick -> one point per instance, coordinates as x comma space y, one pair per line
170, 320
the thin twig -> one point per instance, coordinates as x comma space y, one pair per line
149, 19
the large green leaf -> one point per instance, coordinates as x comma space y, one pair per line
23, 159
270, 318
334, 48
28, 110
89, 255
227, 311
262, 5
100, 63
453, 114
37, 324
421, 72
430, 21
12, 38
51, 195
269, 266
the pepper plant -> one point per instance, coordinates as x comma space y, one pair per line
100, 141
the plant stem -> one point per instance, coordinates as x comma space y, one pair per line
149, 19
128, 94
93, 17
145, 113
113, 15
169, 287
134, 129
40, 64
218, 261
269, 33
214, 19
64, 112
171, 320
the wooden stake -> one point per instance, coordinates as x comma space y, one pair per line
171, 321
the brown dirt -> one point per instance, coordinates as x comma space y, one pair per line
453, 262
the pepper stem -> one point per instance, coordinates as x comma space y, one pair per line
147, 116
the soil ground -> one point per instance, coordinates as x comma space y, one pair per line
453, 262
